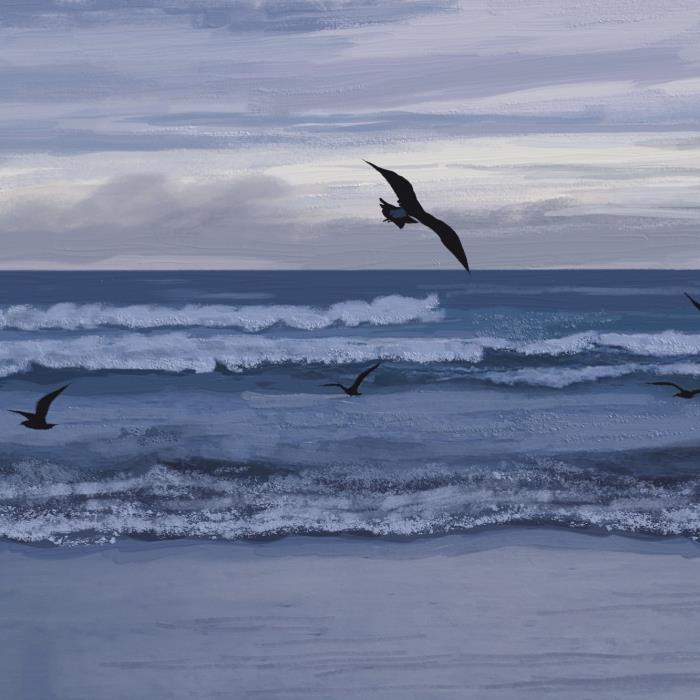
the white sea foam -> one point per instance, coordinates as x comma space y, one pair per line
176, 503
664, 344
382, 311
179, 351
560, 377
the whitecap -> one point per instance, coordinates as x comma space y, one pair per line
381, 311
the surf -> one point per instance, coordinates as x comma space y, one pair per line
382, 311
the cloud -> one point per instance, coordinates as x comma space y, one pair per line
238, 15
680, 144
256, 222
149, 215
65, 82
51, 137
527, 140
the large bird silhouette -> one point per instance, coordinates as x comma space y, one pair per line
410, 211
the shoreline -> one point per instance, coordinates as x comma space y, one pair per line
510, 614
480, 539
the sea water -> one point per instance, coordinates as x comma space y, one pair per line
195, 406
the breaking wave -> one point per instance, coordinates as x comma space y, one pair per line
234, 502
665, 344
382, 311
180, 351
560, 377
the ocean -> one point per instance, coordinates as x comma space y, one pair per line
195, 407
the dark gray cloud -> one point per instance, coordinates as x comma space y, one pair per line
148, 214
385, 84
216, 130
680, 144
238, 15
326, 107
50, 137
254, 219
392, 121
65, 82
592, 241
199, 89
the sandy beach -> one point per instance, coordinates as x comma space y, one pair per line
499, 615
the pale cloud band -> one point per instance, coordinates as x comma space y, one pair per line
225, 133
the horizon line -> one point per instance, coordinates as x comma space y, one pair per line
347, 270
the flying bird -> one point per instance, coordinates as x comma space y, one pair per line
696, 304
353, 389
395, 215
410, 211
37, 420
682, 393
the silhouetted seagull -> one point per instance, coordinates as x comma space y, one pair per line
682, 393
395, 215
696, 304
37, 420
410, 210
353, 390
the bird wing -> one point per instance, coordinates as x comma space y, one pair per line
448, 236
361, 377
694, 392
43, 404
696, 304
680, 388
402, 188
26, 414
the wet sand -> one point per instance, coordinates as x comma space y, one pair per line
499, 615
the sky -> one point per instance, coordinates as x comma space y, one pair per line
202, 134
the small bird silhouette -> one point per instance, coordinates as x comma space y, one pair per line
410, 210
353, 390
37, 420
696, 304
682, 393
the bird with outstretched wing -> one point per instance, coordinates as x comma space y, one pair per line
353, 389
37, 420
410, 208
694, 302
682, 393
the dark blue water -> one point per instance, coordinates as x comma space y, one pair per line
195, 406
